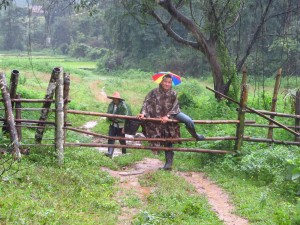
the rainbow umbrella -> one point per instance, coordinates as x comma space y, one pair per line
159, 76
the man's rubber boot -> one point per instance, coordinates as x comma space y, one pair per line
169, 160
198, 137
110, 152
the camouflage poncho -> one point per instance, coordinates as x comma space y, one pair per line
159, 103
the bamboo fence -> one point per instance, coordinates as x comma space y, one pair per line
57, 93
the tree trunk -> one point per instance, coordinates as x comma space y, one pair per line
218, 79
207, 46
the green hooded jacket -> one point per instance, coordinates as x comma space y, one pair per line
122, 109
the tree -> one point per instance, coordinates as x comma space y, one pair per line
205, 25
13, 28
5, 3
211, 28
50, 10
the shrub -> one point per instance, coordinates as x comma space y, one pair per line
97, 53
267, 165
295, 173
114, 61
79, 50
186, 100
64, 48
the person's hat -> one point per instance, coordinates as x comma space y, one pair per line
116, 95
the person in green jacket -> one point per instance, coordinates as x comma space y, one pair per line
116, 127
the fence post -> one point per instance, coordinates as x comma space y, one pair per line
59, 118
19, 116
274, 101
241, 113
297, 112
46, 106
14, 79
66, 100
10, 118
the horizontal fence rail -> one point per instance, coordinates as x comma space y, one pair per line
256, 112
30, 100
149, 148
32, 109
268, 126
275, 114
271, 141
149, 139
153, 119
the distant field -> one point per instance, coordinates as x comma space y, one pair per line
61, 60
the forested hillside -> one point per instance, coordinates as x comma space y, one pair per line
259, 34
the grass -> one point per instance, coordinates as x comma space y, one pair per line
46, 194
37, 191
174, 202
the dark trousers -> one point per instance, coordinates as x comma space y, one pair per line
116, 132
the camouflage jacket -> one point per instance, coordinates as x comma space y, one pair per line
159, 103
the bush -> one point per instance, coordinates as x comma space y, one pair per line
79, 50
267, 165
295, 173
64, 48
114, 61
97, 53
186, 100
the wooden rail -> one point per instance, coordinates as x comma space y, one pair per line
149, 139
272, 141
30, 100
275, 114
153, 119
256, 112
161, 148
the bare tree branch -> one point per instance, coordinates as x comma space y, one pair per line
254, 37
172, 33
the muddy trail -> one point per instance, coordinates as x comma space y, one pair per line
128, 180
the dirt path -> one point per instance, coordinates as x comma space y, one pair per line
128, 180
217, 198
99, 95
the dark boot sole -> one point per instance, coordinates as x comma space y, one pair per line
163, 168
108, 155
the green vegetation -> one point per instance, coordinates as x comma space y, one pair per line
263, 181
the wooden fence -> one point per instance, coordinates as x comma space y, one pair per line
58, 93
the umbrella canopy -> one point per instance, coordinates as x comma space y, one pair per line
159, 76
